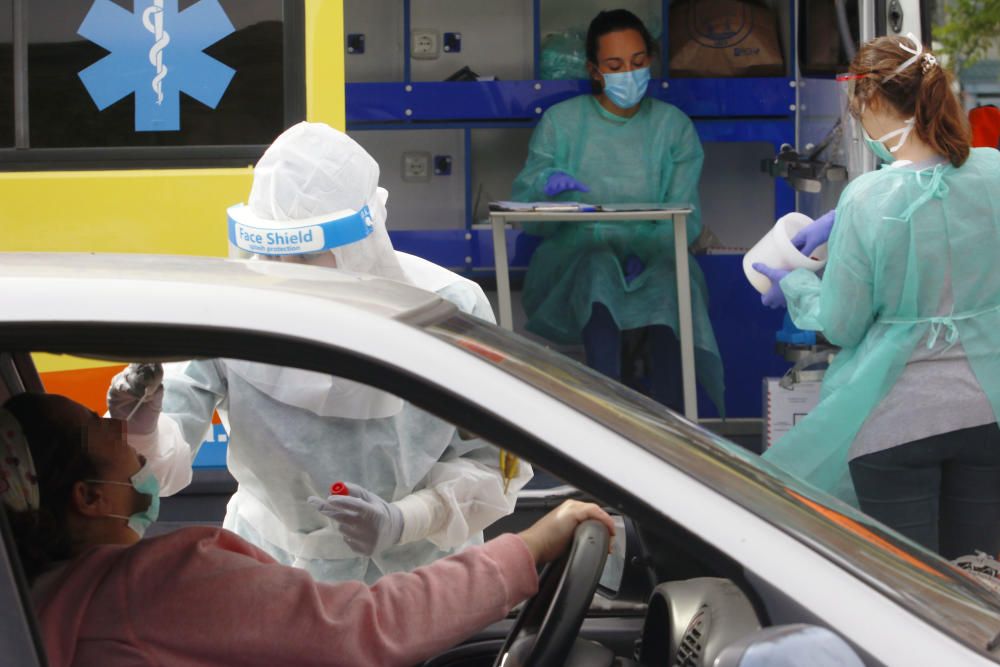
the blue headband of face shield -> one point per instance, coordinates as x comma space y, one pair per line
265, 237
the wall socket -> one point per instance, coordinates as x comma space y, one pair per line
416, 167
425, 44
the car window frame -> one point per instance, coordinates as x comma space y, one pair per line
21, 638
108, 339
858, 544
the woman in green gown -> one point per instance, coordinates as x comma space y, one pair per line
906, 426
587, 282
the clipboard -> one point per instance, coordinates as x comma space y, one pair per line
544, 206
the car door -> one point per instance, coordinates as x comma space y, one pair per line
20, 643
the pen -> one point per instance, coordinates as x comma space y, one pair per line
577, 208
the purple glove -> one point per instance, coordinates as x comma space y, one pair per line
560, 181
774, 298
813, 236
633, 267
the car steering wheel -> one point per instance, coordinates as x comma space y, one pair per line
549, 624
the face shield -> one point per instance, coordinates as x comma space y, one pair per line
315, 200
298, 239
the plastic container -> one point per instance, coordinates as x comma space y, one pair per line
776, 250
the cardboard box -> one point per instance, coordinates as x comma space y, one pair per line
822, 48
724, 38
784, 408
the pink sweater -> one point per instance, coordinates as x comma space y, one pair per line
204, 596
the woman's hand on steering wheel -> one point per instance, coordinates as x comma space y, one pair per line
549, 537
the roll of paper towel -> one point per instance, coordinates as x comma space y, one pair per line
775, 249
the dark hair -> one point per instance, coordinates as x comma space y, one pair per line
54, 427
923, 90
615, 20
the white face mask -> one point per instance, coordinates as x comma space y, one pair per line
878, 147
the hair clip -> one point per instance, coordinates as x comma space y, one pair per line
929, 62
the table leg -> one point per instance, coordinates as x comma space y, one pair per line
506, 315
684, 317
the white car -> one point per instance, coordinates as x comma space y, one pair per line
724, 551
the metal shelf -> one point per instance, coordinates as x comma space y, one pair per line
498, 101
723, 110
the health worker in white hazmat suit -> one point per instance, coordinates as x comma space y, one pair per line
418, 491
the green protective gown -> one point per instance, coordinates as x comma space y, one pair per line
898, 235
655, 156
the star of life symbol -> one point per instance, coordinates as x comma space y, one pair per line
157, 53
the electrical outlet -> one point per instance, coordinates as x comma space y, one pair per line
416, 167
424, 44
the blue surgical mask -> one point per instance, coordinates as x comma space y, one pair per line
145, 483
626, 89
879, 149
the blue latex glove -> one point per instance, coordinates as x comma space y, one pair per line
560, 181
136, 396
813, 236
633, 267
774, 298
369, 524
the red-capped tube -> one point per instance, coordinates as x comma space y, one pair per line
338, 489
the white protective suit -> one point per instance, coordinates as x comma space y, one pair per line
292, 432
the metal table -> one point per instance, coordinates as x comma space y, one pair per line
677, 213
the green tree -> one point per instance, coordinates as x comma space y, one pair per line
969, 30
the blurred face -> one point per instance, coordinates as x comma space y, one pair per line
109, 449
324, 259
620, 51
115, 461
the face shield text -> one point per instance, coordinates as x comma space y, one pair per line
286, 242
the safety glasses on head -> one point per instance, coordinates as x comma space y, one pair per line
849, 82
261, 236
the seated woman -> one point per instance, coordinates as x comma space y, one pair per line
79, 499
591, 281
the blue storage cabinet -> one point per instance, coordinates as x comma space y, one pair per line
212, 453
724, 110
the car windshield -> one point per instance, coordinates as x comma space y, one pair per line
917, 579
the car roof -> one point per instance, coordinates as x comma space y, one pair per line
117, 278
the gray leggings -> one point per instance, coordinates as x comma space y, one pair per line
942, 492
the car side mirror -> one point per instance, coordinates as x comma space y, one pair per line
626, 576
789, 646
